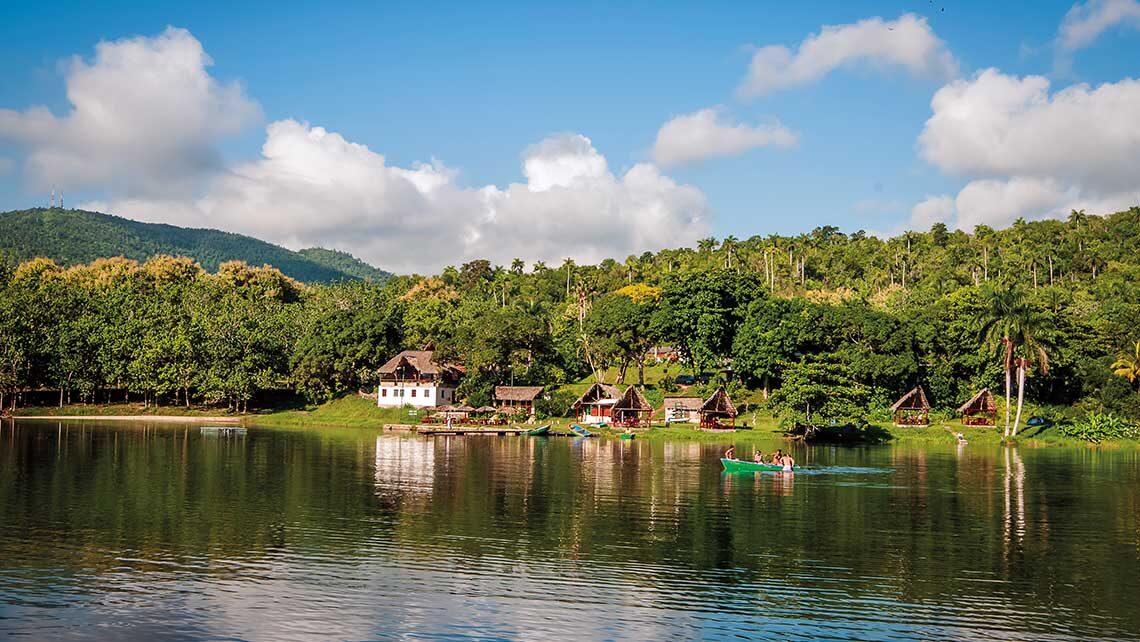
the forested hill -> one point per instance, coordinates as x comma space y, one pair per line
344, 262
72, 237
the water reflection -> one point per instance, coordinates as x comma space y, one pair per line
158, 531
1014, 495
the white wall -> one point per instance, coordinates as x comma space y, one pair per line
395, 395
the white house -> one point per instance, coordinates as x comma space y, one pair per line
413, 378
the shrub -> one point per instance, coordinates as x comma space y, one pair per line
1097, 427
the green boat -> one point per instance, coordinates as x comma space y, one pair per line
626, 435
538, 432
740, 466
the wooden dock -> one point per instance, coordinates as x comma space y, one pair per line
471, 430
433, 430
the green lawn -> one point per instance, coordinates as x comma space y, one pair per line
350, 411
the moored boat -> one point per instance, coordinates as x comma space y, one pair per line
537, 432
626, 435
580, 431
740, 466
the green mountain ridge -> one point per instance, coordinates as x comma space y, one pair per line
344, 262
72, 237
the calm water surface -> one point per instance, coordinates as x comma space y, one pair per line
134, 532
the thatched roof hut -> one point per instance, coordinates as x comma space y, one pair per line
912, 409
517, 393
596, 404
980, 410
598, 393
632, 409
516, 399
717, 407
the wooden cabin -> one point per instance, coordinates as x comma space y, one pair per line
716, 409
596, 405
980, 410
632, 410
514, 400
414, 378
912, 409
683, 409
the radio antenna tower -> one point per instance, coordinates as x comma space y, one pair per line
51, 203
60, 199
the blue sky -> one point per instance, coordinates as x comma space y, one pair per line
474, 86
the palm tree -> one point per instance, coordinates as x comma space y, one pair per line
1030, 329
997, 324
1128, 366
729, 247
568, 265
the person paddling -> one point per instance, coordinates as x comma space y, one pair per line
758, 457
728, 454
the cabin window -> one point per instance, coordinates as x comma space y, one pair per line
383, 392
413, 392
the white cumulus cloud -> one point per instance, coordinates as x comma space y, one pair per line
145, 117
934, 209
709, 133
1032, 153
907, 43
1086, 21
314, 187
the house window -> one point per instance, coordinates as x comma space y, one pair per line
413, 392
383, 392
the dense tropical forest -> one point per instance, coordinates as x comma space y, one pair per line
72, 237
833, 326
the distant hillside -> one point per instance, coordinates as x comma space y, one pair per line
344, 262
77, 236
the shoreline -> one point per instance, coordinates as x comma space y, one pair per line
350, 413
152, 418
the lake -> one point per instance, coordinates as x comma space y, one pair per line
135, 532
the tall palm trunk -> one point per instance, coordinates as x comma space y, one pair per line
1008, 363
1007, 404
1021, 365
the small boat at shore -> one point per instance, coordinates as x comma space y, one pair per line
537, 432
626, 436
580, 431
741, 466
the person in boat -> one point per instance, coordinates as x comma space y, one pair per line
730, 453
787, 462
777, 456
758, 457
